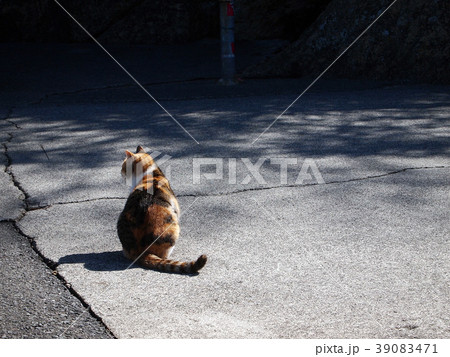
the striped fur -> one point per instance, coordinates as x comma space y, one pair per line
170, 266
148, 226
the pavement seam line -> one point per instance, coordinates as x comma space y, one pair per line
8, 168
49, 205
53, 267
224, 194
7, 118
315, 184
119, 86
48, 262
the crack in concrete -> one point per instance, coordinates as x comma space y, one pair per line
7, 118
14, 180
224, 194
36, 208
118, 86
8, 170
48, 262
313, 184
52, 265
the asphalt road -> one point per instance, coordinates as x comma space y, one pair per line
34, 303
359, 248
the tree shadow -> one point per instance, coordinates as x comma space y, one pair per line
377, 128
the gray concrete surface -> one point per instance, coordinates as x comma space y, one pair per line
366, 254
11, 205
282, 263
34, 302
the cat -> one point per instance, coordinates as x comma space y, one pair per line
148, 225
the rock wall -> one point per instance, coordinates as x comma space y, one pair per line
275, 19
153, 21
410, 42
31, 21
110, 21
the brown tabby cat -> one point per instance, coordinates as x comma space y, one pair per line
148, 225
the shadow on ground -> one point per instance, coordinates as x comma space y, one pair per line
82, 145
105, 261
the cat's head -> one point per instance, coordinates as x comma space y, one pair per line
136, 163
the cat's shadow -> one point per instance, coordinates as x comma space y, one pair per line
105, 261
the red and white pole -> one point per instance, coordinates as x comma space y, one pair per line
227, 42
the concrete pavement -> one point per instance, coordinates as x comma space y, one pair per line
374, 266
365, 254
36, 302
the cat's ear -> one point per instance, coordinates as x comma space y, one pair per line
128, 153
140, 149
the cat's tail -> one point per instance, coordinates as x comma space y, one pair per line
154, 262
